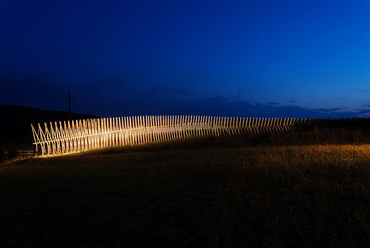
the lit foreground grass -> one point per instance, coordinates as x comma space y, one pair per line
288, 196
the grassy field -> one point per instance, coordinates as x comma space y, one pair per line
289, 190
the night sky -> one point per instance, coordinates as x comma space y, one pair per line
223, 58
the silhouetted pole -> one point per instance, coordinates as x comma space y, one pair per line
69, 104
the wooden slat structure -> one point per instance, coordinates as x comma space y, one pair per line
25, 153
81, 135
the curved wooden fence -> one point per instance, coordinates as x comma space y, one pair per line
81, 135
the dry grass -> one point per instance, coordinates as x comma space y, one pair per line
181, 196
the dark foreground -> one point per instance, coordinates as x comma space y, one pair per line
285, 196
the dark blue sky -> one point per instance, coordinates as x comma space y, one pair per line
233, 58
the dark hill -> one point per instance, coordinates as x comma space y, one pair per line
15, 124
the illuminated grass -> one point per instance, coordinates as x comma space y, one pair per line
165, 196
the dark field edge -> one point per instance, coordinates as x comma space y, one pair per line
153, 196
311, 132
230, 191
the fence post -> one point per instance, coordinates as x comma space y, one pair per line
81, 135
